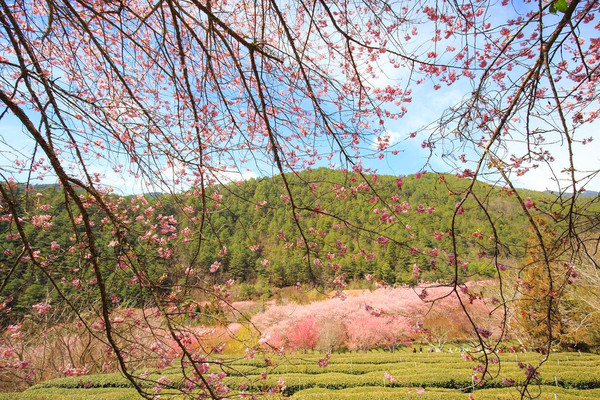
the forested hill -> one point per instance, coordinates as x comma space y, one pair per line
352, 215
397, 231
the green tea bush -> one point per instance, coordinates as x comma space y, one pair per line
402, 393
349, 374
70, 394
114, 380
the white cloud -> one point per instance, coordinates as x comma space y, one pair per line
236, 176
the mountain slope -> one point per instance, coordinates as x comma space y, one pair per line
345, 223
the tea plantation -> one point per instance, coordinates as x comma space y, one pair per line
359, 376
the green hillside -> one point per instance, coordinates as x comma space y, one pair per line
343, 224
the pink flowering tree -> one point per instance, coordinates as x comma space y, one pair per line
397, 333
303, 335
184, 97
364, 333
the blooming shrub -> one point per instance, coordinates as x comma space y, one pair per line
383, 318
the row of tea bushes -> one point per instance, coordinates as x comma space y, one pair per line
400, 357
353, 371
358, 393
72, 394
403, 393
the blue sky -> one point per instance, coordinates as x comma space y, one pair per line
425, 109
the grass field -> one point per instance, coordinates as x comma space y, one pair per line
357, 376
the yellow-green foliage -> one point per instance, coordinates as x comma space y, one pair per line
379, 393
244, 338
68, 394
